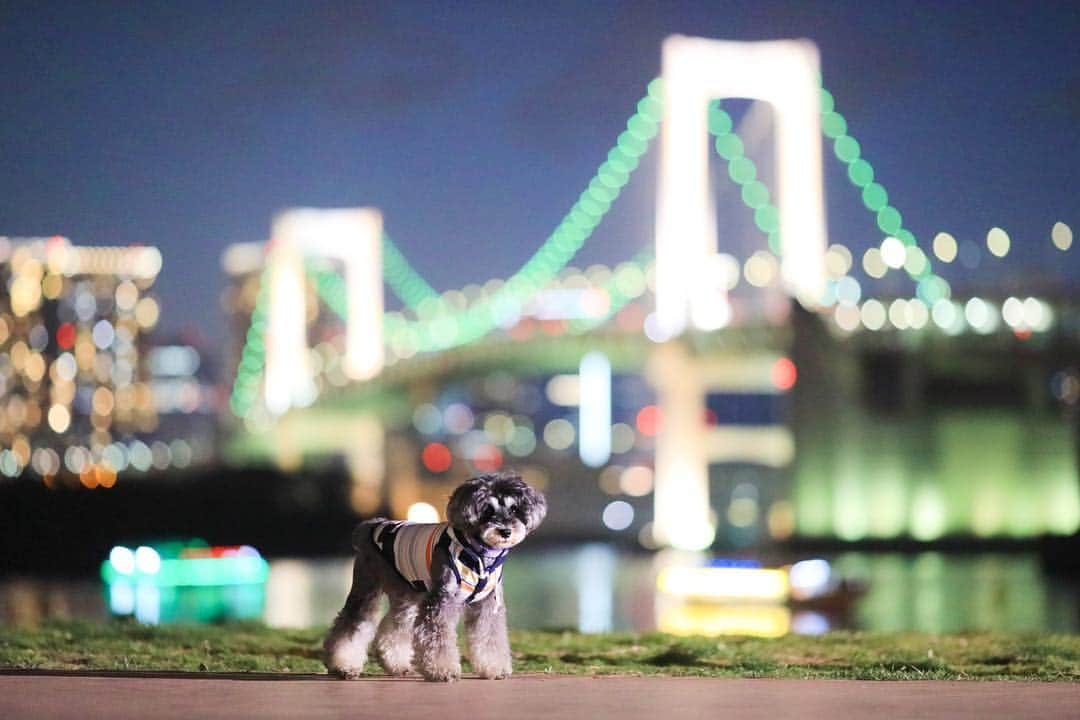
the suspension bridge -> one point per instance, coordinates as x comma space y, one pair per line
691, 319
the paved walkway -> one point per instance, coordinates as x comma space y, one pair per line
165, 695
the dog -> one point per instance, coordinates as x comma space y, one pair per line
432, 573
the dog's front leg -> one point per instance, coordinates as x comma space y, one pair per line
395, 636
435, 649
489, 646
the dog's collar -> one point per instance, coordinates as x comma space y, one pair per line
488, 557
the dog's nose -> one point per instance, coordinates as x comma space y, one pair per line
505, 532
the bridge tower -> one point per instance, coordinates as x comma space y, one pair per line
695, 72
352, 235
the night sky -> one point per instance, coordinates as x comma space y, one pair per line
188, 125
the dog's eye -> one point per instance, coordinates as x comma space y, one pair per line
487, 514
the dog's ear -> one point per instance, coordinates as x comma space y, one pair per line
462, 508
535, 506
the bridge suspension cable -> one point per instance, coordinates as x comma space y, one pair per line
916, 261
410, 287
253, 355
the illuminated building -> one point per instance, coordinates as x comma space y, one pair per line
75, 397
186, 402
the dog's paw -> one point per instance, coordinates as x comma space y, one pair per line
494, 672
395, 670
349, 673
395, 659
441, 674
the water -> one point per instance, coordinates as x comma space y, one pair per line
595, 588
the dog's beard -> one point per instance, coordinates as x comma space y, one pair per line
493, 539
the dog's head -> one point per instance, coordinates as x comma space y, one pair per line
496, 510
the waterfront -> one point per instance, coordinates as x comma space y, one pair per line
595, 588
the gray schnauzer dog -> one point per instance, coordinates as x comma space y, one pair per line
431, 573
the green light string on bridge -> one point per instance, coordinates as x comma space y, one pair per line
253, 354
330, 286
743, 172
400, 276
447, 328
440, 327
929, 287
626, 283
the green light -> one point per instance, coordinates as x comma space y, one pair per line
729, 146
591, 205
767, 218
621, 161
827, 102
928, 513
719, 121
915, 263
581, 220
629, 280
601, 193
189, 572
742, 169
656, 89
612, 176
755, 194
444, 330
651, 108
406, 283
846, 148
833, 124
631, 144
888, 219
641, 127
932, 289
860, 173
874, 197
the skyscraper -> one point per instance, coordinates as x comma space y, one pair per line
74, 401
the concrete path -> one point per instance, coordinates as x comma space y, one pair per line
529, 697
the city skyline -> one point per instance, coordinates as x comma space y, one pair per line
468, 140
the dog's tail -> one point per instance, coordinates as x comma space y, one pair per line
361, 535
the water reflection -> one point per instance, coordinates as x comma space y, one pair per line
935, 592
153, 604
597, 588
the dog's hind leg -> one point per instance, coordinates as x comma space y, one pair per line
489, 647
346, 645
394, 639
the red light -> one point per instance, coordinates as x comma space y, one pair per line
488, 458
649, 420
711, 417
784, 374
436, 457
65, 336
555, 328
523, 330
1022, 334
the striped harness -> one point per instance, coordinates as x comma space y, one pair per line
409, 548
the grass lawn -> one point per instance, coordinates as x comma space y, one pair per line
125, 646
